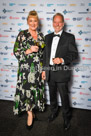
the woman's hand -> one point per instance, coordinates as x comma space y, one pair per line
32, 49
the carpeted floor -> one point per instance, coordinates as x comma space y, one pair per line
11, 125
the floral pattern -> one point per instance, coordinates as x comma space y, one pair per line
30, 87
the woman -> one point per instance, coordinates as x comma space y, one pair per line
28, 49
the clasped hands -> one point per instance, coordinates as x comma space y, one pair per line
57, 60
32, 49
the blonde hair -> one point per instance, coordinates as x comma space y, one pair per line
59, 14
32, 14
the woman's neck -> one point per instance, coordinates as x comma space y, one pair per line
34, 34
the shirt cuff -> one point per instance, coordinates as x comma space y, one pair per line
62, 61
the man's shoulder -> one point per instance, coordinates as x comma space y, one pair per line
49, 35
68, 34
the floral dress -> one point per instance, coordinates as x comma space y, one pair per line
30, 86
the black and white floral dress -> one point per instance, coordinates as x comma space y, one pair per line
30, 86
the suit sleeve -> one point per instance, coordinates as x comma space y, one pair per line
44, 55
72, 51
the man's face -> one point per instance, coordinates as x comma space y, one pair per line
58, 23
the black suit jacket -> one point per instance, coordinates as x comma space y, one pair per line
66, 49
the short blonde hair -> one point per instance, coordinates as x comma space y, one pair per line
32, 14
59, 14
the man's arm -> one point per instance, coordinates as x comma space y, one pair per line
72, 51
44, 62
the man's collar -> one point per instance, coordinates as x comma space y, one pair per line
59, 33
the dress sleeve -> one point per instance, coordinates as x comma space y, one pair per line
19, 49
42, 48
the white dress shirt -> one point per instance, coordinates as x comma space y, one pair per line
54, 46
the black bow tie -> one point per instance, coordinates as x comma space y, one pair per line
56, 35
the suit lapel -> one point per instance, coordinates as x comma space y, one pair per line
61, 40
50, 44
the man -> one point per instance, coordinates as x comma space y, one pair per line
59, 52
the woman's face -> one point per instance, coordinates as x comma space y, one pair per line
33, 23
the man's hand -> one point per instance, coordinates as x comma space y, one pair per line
57, 60
43, 75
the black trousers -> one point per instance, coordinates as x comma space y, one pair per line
62, 87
